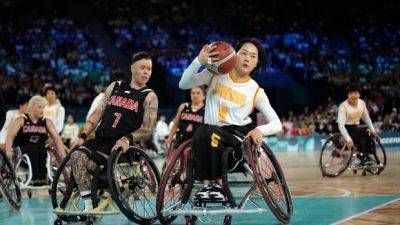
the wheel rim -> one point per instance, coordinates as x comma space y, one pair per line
335, 157
9, 184
136, 184
172, 184
378, 157
272, 178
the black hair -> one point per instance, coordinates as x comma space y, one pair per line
51, 88
22, 99
140, 55
203, 89
353, 88
117, 75
260, 49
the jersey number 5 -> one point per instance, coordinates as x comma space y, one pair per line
117, 118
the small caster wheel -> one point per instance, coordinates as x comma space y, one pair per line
89, 221
29, 193
354, 171
58, 221
364, 172
228, 220
49, 191
189, 220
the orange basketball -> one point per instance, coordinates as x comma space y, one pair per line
226, 58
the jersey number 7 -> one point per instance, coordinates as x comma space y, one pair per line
117, 118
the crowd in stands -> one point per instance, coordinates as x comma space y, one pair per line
51, 50
365, 48
309, 53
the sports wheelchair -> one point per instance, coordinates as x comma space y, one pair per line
335, 157
9, 187
24, 173
266, 189
126, 182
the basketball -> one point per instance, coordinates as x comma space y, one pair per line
227, 58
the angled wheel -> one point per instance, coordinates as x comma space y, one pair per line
9, 187
65, 195
378, 157
168, 157
270, 180
134, 182
172, 184
335, 157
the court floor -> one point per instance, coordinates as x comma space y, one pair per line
348, 199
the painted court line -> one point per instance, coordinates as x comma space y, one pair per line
366, 211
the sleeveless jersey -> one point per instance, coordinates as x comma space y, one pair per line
190, 120
124, 111
32, 133
229, 102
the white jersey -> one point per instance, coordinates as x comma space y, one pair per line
95, 103
228, 102
350, 115
55, 113
70, 131
11, 115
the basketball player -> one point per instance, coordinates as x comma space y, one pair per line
231, 98
127, 112
11, 115
188, 118
115, 76
349, 115
30, 132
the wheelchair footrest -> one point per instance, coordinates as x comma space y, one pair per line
209, 211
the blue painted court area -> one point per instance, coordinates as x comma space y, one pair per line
307, 210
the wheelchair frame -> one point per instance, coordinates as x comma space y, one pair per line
180, 207
6, 169
25, 183
348, 165
101, 202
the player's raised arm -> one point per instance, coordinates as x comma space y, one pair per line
191, 77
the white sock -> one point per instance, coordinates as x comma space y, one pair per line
87, 199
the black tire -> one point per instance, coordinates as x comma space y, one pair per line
9, 186
378, 157
61, 195
270, 180
334, 149
139, 185
172, 177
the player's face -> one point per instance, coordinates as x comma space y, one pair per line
38, 109
247, 58
196, 95
70, 119
353, 96
51, 96
141, 70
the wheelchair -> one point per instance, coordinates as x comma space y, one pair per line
9, 187
24, 173
266, 189
123, 182
335, 157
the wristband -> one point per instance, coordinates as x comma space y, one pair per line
130, 138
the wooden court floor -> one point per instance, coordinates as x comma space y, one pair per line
302, 172
310, 190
